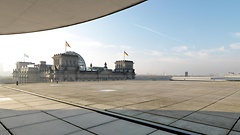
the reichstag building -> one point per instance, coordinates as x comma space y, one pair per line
70, 66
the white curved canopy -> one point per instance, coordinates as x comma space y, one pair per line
22, 16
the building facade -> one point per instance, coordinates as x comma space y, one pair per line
70, 66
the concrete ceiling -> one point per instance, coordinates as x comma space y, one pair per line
23, 16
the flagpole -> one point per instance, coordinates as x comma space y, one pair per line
65, 47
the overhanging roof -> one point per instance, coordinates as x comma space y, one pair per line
23, 16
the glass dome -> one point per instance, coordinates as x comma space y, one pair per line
81, 61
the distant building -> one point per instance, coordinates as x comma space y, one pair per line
70, 66
186, 74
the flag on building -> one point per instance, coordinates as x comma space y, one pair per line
67, 45
125, 53
25, 55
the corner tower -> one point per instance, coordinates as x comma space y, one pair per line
125, 67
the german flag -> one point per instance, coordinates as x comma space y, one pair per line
67, 45
125, 53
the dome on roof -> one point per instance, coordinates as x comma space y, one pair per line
81, 61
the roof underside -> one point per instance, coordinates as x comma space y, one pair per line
23, 16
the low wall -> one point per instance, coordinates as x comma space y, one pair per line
192, 79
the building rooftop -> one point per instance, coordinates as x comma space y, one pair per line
21, 16
201, 107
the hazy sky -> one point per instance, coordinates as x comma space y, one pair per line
160, 36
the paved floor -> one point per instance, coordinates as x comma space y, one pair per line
25, 114
203, 107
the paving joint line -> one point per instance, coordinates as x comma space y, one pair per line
103, 123
216, 115
137, 103
6, 128
68, 122
203, 108
18, 115
149, 112
20, 108
140, 112
33, 124
184, 100
152, 132
233, 125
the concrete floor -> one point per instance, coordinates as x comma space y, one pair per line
203, 107
25, 114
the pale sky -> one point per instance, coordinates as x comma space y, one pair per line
160, 36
